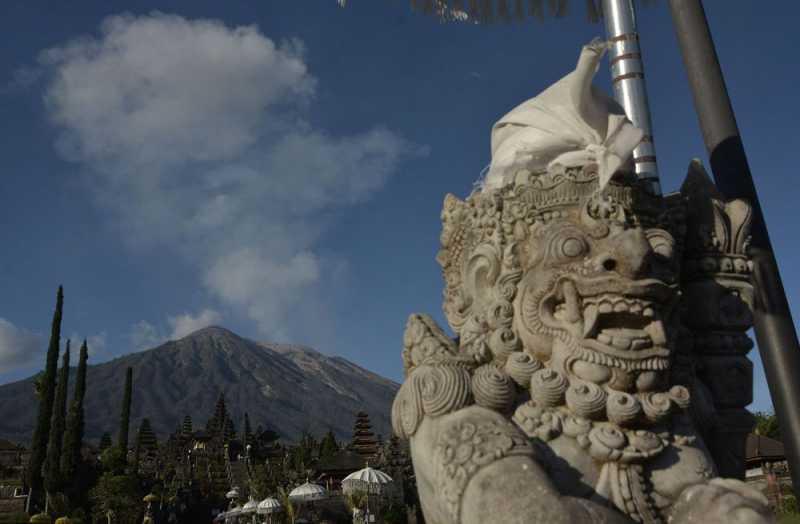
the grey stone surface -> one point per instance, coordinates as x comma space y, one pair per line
599, 373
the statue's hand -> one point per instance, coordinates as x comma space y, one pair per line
721, 501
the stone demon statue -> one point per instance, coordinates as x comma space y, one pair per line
599, 370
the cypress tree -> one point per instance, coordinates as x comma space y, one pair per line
41, 433
329, 446
52, 465
229, 431
125, 416
137, 449
216, 424
73, 439
248, 431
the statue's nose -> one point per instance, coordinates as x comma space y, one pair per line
628, 254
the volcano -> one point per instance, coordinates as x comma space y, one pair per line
289, 389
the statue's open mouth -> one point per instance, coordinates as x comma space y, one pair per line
623, 319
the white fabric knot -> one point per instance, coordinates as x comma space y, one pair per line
569, 124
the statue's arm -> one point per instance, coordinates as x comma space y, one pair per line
473, 465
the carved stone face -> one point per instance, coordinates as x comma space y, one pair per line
597, 295
585, 281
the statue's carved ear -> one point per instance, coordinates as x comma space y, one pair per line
481, 271
455, 226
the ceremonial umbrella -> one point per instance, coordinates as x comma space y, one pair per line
250, 507
367, 479
269, 506
308, 492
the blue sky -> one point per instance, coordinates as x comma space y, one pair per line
279, 167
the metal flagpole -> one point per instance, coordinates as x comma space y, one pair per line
775, 331
627, 77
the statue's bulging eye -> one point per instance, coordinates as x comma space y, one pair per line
573, 247
569, 245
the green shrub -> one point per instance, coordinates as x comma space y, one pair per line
789, 506
395, 514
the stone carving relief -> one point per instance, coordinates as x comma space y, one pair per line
599, 369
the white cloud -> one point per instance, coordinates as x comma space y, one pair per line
187, 323
18, 346
194, 141
144, 335
161, 88
96, 344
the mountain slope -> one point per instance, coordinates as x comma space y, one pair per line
287, 388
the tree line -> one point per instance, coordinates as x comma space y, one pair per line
57, 441
59, 480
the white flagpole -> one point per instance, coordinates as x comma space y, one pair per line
627, 77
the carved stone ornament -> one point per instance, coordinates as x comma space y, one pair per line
599, 372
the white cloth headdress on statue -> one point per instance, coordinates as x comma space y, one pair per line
571, 123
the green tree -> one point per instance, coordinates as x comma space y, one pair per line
328, 447
229, 431
248, 431
47, 386
767, 425
125, 414
73, 438
53, 481
302, 455
117, 495
263, 481
105, 441
113, 460
216, 424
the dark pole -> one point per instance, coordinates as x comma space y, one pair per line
775, 331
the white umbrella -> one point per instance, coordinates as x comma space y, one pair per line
269, 505
250, 507
367, 479
308, 492
232, 494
